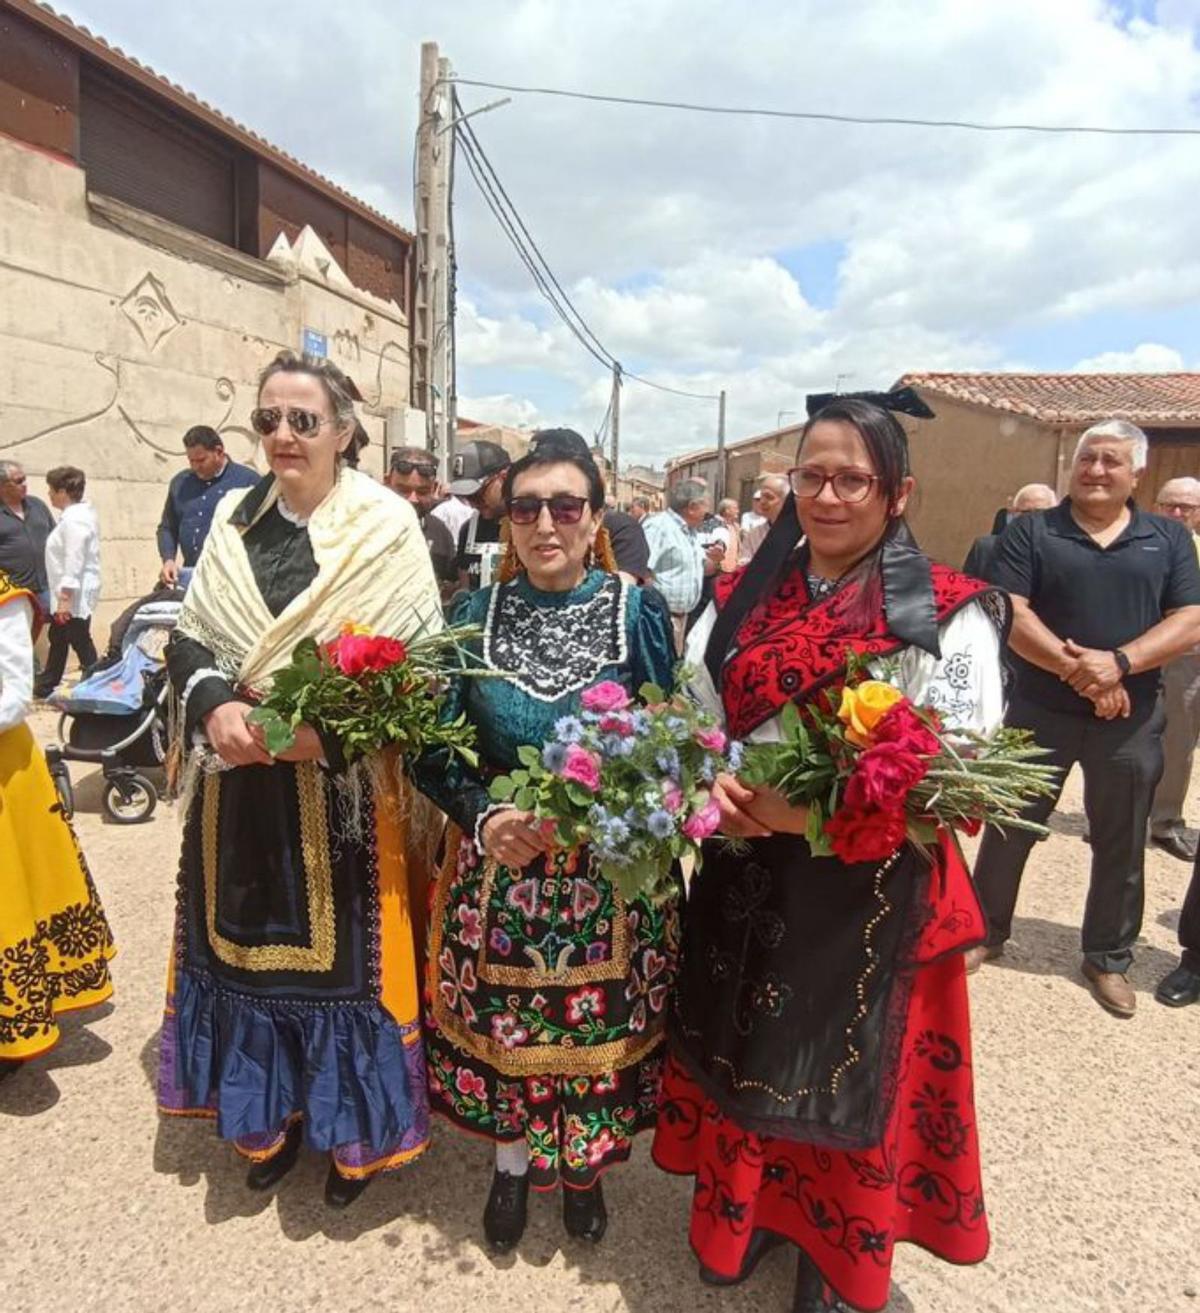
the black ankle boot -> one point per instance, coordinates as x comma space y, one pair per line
761, 1244
8, 1067
262, 1176
505, 1213
341, 1191
584, 1214
812, 1294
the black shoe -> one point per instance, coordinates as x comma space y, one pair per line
812, 1295
1178, 845
264, 1175
1179, 988
761, 1244
584, 1214
504, 1216
341, 1191
8, 1066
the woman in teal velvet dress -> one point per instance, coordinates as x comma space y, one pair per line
547, 990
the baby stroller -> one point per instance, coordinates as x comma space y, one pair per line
116, 716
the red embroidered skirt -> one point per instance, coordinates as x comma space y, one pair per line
846, 1210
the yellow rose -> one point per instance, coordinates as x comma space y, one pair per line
864, 706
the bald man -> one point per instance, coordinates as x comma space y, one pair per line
1032, 497
1178, 499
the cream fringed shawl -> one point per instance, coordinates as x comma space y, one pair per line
373, 569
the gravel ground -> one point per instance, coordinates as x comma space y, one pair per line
1090, 1130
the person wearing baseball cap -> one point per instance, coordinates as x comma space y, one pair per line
477, 476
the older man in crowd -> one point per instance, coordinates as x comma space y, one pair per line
25, 524
639, 508
769, 497
1178, 499
192, 497
1103, 596
677, 560
1032, 497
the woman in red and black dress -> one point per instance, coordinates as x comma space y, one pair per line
820, 1082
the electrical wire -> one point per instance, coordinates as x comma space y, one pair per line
874, 120
506, 214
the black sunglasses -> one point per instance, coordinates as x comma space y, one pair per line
303, 423
414, 467
563, 509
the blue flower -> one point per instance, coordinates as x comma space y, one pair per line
641, 722
554, 756
661, 824
706, 772
668, 763
737, 752
568, 729
613, 745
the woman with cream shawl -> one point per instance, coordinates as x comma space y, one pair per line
293, 1012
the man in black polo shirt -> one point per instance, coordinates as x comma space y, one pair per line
25, 524
1103, 594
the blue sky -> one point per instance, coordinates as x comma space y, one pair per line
765, 257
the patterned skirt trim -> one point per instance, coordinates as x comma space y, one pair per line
55, 943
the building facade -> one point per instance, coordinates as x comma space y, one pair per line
154, 256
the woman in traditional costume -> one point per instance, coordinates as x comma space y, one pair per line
55, 943
819, 1086
547, 990
293, 1008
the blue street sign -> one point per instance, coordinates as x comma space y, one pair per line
314, 343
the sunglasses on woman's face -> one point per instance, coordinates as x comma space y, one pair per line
303, 423
563, 509
413, 467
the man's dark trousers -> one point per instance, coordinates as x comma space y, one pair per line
74, 634
1189, 921
1122, 761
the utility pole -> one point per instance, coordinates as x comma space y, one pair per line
432, 382
616, 430
719, 490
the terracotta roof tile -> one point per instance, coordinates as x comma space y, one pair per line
43, 13
1073, 398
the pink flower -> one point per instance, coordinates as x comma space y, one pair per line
471, 922
608, 696
672, 797
616, 722
713, 739
582, 766
584, 1004
507, 1029
469, 1084
703, 823
600, 1147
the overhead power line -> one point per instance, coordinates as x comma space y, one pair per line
517, 231
820, 116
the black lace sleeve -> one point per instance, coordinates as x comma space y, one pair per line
192, 670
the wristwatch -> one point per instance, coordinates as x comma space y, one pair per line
1122, 661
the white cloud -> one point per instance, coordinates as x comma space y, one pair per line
1145, 358
503, 408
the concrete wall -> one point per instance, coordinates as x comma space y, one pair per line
118, 332
968, 462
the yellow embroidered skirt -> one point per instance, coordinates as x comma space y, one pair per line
55, 943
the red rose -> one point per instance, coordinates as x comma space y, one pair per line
865, 836
360, 654
883, 778
970, 825
903, 727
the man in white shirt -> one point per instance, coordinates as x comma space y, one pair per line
771, 493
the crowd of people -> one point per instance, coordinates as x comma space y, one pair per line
791, 1030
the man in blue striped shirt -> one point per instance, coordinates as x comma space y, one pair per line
193, 496
678, 562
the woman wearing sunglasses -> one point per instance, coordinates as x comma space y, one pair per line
293, 1014
819, 1088
547, 990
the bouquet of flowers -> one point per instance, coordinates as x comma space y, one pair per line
874, 769
372, 691
631, 780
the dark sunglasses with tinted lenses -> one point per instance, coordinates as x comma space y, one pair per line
414, 467
563, 509
303, 423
